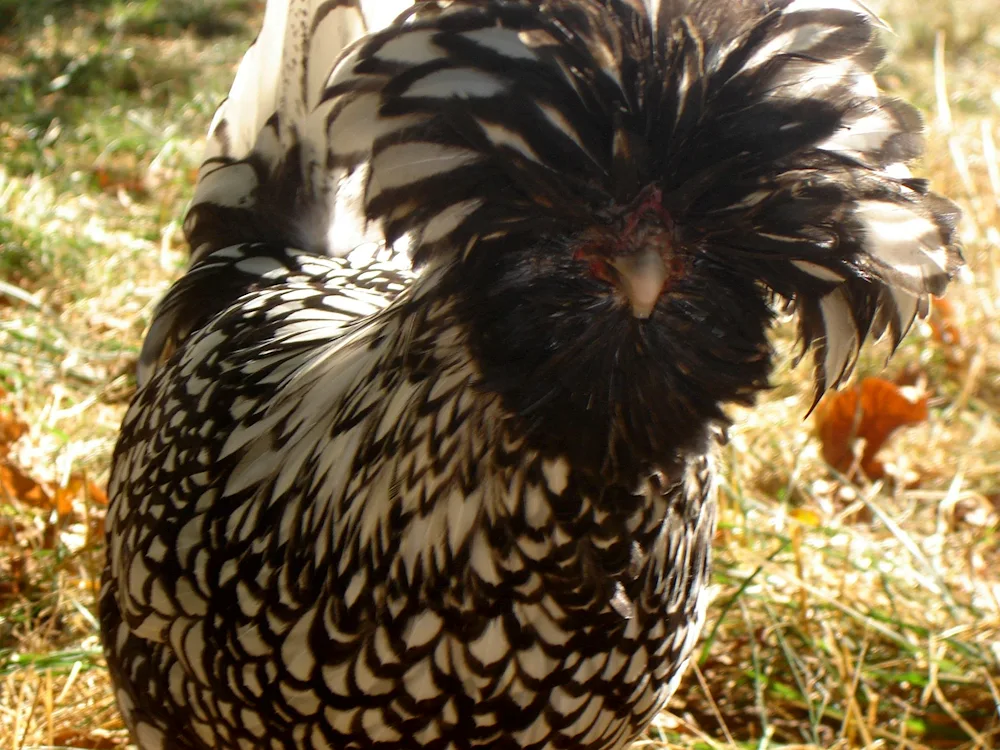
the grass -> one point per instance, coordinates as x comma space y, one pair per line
847, 614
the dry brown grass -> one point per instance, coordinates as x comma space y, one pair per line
848, 614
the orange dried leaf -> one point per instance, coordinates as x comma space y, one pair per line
11, 430
96, 493
871, 411
64, 500
15, 484
944, 329
87, 741
111, 181
76, 486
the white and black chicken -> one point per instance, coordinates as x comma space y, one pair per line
421, 455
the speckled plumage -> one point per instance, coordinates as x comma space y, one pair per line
467, 501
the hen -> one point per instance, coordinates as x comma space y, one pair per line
422, 450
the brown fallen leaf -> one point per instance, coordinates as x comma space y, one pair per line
17, 484
81, 487
871, 411
87, 740
11, 430
64, 496
96, 493
944, 329
117, 180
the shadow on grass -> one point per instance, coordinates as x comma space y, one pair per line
18, 18
203, 18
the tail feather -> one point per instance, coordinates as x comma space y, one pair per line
264, 177
264, 186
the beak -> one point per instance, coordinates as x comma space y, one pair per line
642, 276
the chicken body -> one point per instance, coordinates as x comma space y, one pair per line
360, 552
422, 450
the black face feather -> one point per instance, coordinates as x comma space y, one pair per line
585, 378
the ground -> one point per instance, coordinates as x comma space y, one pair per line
849, 611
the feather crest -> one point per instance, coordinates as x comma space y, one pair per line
764, 125
267, 142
